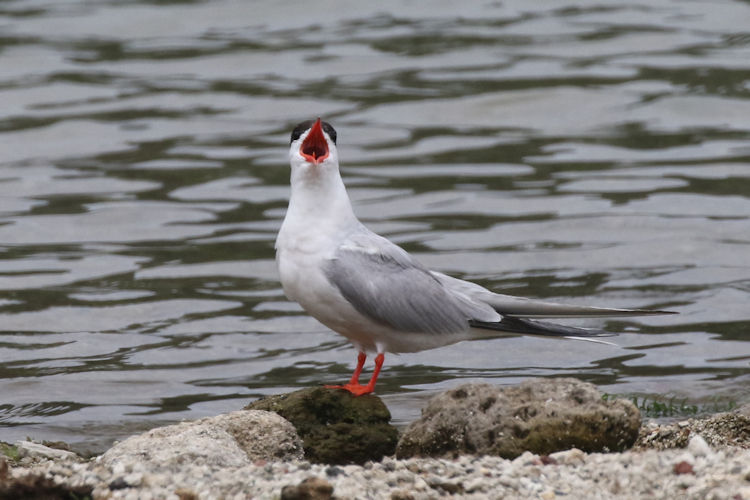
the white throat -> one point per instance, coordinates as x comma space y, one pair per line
318, 193
319, 210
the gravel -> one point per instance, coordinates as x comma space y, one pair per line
696, 472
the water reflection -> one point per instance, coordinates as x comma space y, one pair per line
589, 153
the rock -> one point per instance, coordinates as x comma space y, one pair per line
722, 429
661, 437
573, 456
698, 447
232, 440
35, 451
401, 495
262, 435
312, 488
185, 494
540, 415
336, 427
38, 487
683, 467
725, 474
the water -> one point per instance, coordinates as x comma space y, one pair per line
588, 152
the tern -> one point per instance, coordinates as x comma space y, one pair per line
374, 293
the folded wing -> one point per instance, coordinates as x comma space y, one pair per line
385, 284
520, 307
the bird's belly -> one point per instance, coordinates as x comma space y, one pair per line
304, 282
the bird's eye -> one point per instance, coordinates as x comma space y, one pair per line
330, 131
300, 129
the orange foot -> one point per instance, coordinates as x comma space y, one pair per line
356, 389
354, 386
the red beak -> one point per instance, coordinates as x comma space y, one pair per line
315, 148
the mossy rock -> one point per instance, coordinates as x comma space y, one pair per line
540, 415
335, 426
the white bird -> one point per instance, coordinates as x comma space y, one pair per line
373, 292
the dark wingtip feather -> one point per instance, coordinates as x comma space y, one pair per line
659, 312
543, 328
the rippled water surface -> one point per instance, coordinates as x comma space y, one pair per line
591, 152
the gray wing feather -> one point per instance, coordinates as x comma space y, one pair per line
520, 307
385, 284
527, 308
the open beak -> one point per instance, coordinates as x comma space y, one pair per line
315, 148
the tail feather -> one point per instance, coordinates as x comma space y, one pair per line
508, 305
543, 328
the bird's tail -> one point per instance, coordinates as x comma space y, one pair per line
542, 328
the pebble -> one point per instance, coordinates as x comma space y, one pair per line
704, 473
573, 456
699, 447
35, 451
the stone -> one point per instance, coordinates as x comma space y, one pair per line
401, 495
312, 488
573, 456
37, 486
683, 467
721, 429
335, 426
698, 447
39, 451
542, 416
262, 435
185, 494
232, 440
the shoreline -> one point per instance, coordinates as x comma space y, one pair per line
697, 472
257, 453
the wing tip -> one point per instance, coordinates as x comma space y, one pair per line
594, 339
660, 311
592, 312
525, 326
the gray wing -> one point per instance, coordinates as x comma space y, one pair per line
384, 283
520, 307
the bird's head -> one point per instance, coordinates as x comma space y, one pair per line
313, 146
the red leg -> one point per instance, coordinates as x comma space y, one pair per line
354, 386
370, 387
361, 357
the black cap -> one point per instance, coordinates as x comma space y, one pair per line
306, 125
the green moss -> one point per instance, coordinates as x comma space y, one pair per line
672, 407
9, 451
336, 427
545, 436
